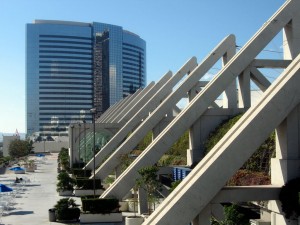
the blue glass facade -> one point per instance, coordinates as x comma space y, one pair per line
61, 58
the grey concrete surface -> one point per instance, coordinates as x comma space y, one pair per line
32, 204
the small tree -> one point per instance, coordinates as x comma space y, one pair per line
149, 182
19, 148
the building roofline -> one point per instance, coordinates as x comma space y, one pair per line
61, 22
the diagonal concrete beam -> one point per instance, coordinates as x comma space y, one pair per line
206, 179
139, 106
157, 115
200, 104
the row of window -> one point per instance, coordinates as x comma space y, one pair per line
64, 93
64, 52
133, 69
133, 55
64, 36
66, 88
63, 113
64, 47
131, 73
65, 67
131, 50
65, 42
65, 82
64, 72
134, 60
64, 103
64, 57
65, 62
134, 46
64, 78
133, 64
63, 108
66, 98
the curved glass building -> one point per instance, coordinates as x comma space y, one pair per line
72, 67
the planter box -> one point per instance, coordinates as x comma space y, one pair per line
131, 204
79, 193
123, 206
20, 172
100, 218
134, 220
65, 193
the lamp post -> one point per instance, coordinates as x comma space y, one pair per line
93, 111
84, 146
72, 145
79, 125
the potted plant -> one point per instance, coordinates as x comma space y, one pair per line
99, 210
66, 209
65, 184
30, 166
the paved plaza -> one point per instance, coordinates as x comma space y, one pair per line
32, 204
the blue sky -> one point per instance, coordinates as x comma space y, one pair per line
174, 30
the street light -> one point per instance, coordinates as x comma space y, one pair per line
93, 111
72, 145
84, 146
79, 125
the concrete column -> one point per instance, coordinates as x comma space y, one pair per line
286, 164
230, 94
143, 204
204, 217
195, 152
244, 99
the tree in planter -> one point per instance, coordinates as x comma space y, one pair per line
66, 209
63, 157
65, 182
149, 182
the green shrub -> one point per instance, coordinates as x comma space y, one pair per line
66, 209
289, 197
81, 173
100, 205
64, 182
87, 184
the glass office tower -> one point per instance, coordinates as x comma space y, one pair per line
72, 67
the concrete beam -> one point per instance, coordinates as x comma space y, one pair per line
270, 63
206, 179
127, 115
113, 160
247, 193
159, 113
259, 79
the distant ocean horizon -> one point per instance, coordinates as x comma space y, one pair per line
22, 135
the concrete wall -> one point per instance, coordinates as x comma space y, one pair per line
50, 146
6, 143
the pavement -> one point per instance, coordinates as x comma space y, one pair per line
33, 203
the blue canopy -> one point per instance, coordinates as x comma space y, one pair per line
40, 155
4, 188
17, 168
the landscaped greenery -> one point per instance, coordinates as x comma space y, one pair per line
149, 182
256, 168
19, 148
66, 209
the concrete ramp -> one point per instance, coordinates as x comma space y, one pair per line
198, 106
